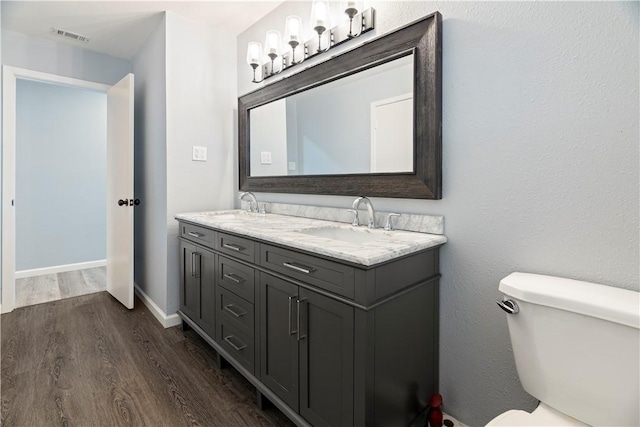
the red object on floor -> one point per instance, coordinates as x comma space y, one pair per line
435, 412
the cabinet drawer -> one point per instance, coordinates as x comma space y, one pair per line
236, 277
238, 247
235, 311
198, 234
327, 275
239, 346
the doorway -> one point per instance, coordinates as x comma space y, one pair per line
60, 200
117, 169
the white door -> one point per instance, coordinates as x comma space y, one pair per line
120, 189
392, 134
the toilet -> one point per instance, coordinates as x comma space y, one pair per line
577, 350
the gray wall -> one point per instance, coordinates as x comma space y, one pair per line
540, 167
183, 98
36, 54
150, 167
201, 98
61, 171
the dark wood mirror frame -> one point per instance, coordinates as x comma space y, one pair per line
423, 38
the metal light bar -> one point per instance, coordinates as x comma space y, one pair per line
362, 23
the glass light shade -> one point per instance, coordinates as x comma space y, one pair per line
320, 16
272, 44
352, 8
254, 53
293, 30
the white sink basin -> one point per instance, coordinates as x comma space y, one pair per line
350, 235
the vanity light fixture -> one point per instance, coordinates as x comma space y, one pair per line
276, 59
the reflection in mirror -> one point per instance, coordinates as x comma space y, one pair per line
359, 124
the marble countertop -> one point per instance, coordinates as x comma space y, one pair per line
375, 247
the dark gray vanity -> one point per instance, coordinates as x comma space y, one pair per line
329, 342
336, 325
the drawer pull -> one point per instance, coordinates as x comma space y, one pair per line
195, 234
240, 347
299, 268
233, 247
233, 277
230, 309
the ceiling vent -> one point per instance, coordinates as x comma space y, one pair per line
71, 35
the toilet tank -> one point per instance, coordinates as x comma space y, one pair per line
577, 346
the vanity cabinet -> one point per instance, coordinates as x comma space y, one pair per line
329, 342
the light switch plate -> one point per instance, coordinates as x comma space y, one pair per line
199, 154
265, 157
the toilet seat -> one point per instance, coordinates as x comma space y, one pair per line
542, 416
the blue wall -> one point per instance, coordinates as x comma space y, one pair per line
60, 175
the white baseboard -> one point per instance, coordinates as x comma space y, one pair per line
59, 269
166, 321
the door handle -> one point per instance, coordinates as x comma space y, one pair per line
195, 266
128, 202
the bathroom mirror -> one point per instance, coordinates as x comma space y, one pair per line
366, 122
362, 123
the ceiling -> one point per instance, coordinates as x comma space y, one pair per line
119, 27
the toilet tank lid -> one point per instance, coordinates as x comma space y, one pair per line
600, 301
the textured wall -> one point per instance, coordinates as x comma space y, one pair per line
61, 173
541, 162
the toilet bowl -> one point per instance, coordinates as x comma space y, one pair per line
577, 350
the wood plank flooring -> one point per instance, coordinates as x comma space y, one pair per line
52, 287
88, 361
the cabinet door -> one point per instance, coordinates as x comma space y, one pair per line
189, 282
326, 360
197, 290
206, 269
278, 338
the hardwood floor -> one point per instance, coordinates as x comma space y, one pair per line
52, 287
89, 361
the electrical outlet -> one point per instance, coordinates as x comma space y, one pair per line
292, 166
265, 157
199, 154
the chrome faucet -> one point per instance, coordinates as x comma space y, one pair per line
253, 202
372, 214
